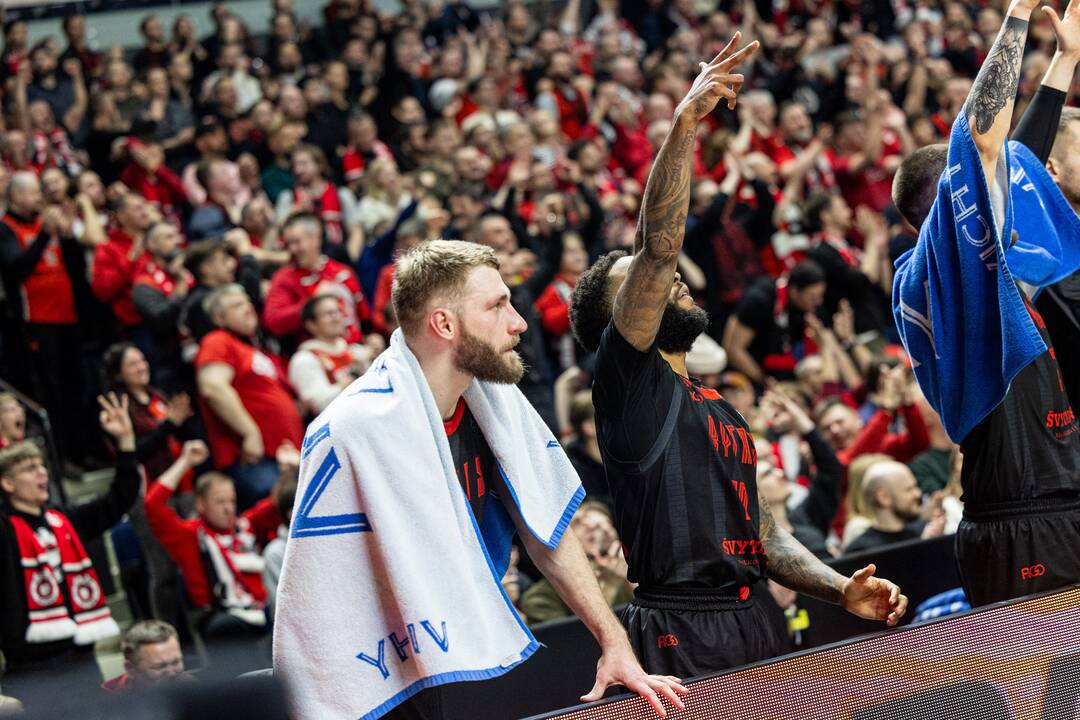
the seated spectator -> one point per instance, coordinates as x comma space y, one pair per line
895, 502
809, 521
313, 193
584, 450
211, 141
277, 176
12, 420
595, 530
213, 265
54, 607
767, 335
311, 273
158, 293
247, 407
857, 515
384, 198
284, 497
216, 551
327, 363
152, 655
147, 175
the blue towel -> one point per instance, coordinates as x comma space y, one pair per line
955, 300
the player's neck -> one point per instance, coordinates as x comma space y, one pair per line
677, 361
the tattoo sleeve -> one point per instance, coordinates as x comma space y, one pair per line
792, 565
643, 296
995, 86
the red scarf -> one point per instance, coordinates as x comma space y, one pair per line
336, 365
328, 207
237, 570
81, 612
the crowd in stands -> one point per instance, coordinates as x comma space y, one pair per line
202, 229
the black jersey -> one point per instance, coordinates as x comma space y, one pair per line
1028, 447
473, 459
681, 464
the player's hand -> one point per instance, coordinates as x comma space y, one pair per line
716, 81
1066, 28
873, 598
618, 666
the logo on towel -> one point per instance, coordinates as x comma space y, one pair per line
406, 641
305, 523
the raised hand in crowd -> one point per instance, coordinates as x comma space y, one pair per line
116, 421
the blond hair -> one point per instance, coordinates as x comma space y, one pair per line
17, 453
432, 269
855, 502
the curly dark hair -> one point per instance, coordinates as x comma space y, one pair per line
590, 306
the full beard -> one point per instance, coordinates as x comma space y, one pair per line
485, 363
680, 327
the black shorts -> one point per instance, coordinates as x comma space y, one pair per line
691, 636
1011, 550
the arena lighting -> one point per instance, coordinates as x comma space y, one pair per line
1010, 660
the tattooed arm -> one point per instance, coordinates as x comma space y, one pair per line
641, 300
796, 568
990, 104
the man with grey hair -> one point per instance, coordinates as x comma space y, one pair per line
39, 264
152, 654
248, 408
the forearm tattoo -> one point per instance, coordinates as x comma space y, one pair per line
792, 565
996, 82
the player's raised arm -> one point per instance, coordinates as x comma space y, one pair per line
990, 104
640, 302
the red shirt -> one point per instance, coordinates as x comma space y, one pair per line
259, 382
383, 288
47, 295
871, 186
180, 538
291, 287
553, 305
114, 276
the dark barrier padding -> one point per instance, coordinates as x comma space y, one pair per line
564, 670
922, 569
1010, 660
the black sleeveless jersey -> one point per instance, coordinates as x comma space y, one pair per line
1028, 447
681, 466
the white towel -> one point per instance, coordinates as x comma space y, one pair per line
389, 586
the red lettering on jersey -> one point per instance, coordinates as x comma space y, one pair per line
480, 490
726, 439
749, 452
713, 436
744, 497
465, 474
709, 393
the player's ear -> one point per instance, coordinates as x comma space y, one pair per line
1052, 168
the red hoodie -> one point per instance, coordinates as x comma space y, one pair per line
114, 276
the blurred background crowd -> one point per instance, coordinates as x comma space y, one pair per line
206, 222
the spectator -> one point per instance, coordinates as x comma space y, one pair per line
213, 265
246, 405
857, 514
768, 335
584, 450
152, 655
553, 305
158, 294
893, 497
284, 496
225, 199
809, 519
49, 627
155, 52
313, 193
595, 530
310, 273
40, 263
363, 148
327, 363
277, 177
118, 261
233, 66
211, 142
215, 552
65, 94
385, 198
12, 420
74, 27
147, 175
165, 120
